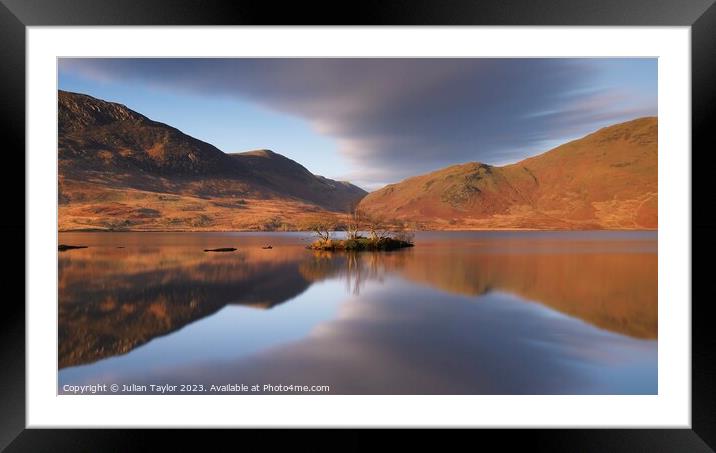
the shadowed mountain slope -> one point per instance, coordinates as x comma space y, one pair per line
279, 171
119, 169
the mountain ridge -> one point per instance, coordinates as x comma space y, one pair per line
118, 169
604, 180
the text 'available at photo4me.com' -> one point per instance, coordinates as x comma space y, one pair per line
222, 389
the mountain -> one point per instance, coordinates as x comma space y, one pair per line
279, 171
605, 180
119, 169
107, 137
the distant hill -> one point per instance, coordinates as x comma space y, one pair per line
278, 172
119, 169
607, 179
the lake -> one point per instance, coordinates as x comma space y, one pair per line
459, 313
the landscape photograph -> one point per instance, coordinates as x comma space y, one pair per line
379, 226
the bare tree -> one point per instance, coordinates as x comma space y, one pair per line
376, 225
353, 223
322, 225
403, 232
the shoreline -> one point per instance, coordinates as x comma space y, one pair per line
339, 231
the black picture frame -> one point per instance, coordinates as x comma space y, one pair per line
16, 15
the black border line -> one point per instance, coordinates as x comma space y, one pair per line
16, 15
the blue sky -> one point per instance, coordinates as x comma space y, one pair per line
377, 121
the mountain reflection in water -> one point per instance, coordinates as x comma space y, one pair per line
479, 312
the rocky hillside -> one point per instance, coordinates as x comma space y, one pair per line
120, 170
278, 171
607, 179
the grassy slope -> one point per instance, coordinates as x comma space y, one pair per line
607, 179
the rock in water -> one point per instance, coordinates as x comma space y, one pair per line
63, 247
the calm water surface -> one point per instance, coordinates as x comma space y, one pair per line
460, 313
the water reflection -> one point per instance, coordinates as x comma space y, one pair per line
113, 300
459, 313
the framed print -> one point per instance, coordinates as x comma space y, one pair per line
457, 216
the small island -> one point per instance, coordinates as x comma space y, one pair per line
360, 244
381, 235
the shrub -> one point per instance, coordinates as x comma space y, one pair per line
351, 244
